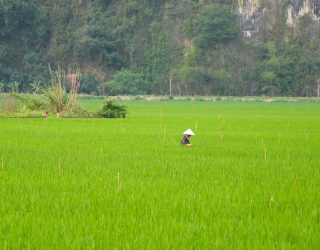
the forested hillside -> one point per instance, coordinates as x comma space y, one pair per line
207, 47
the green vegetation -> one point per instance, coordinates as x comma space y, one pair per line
125, 82
56, 102
89, 83
111, 110
251, 180
196, 43
216, 25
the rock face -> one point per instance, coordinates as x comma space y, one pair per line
253, 12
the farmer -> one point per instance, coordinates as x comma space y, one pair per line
186, 137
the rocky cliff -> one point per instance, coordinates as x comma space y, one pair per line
252, 12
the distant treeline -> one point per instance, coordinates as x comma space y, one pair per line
135, 47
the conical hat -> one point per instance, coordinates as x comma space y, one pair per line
188, 132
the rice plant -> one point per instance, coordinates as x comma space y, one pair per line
250, 180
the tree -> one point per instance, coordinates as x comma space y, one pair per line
2, 86
35, 65
95, 44
89, 83
127, 82
217, 24
191, 80
15, 15
268, 80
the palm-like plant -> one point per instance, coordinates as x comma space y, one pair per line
36, 87
14, 86
56, 94
58, 99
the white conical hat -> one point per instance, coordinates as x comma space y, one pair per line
188, 132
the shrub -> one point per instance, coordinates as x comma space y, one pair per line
111, 110
36, 104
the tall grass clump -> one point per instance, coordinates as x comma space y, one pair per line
58, 99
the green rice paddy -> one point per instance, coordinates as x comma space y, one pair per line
250, 180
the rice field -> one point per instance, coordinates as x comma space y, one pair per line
250, 180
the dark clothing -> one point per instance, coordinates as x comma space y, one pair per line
185, 140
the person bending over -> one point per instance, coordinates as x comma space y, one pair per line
186, 137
